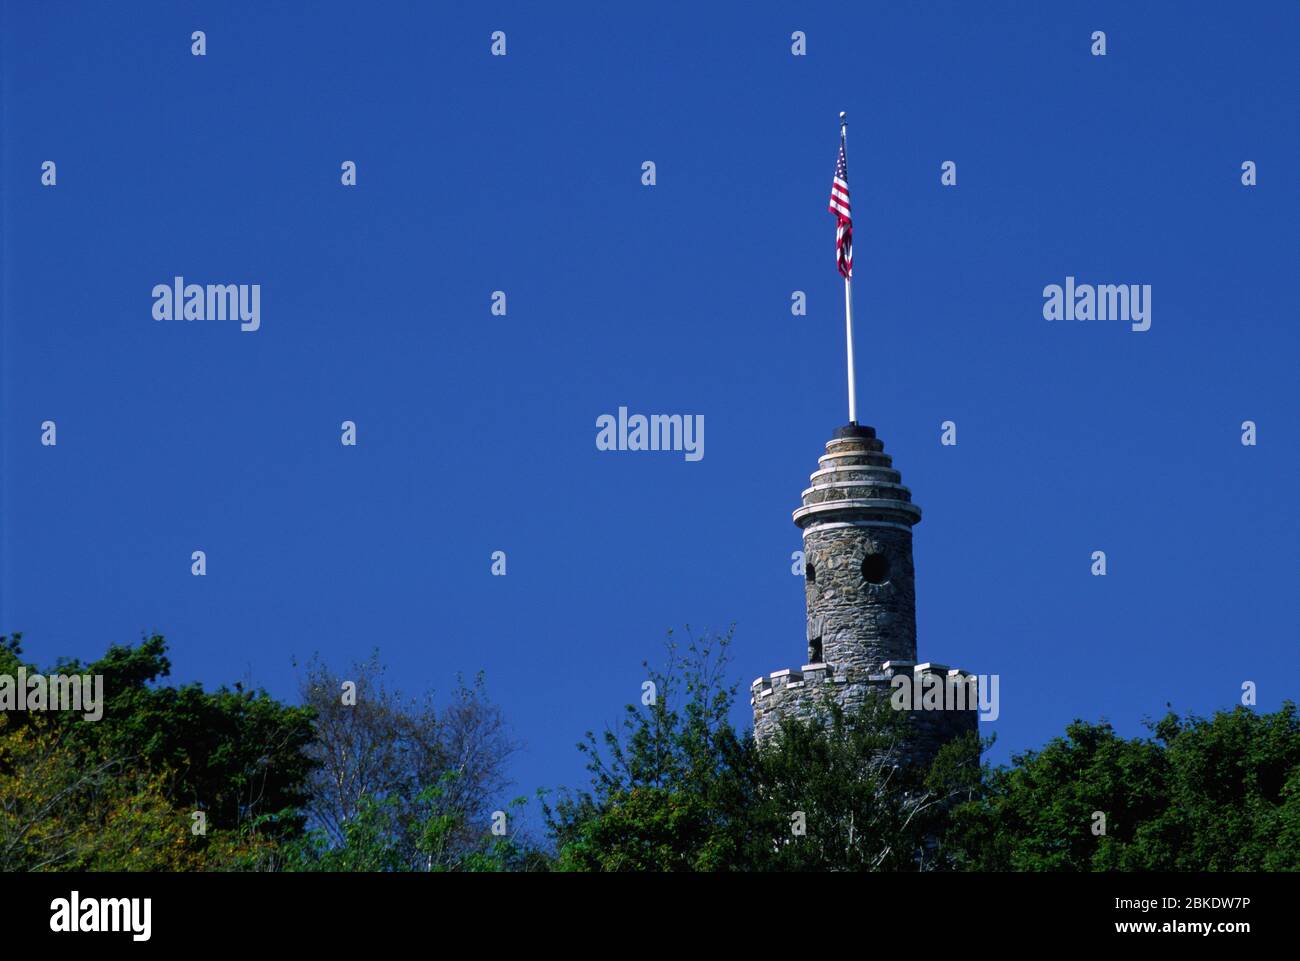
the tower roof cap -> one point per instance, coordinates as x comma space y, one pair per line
856, 484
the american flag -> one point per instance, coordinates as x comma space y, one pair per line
843, 218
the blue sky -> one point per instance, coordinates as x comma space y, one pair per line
477, 432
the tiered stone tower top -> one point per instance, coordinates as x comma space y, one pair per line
859, 587
859, 583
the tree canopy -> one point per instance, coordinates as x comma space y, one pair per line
362, 777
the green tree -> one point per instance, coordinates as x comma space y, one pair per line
375, 838
411, 757
672, 789
233, 755
677, 788
857, 805
1217, 794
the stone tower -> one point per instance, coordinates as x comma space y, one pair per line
860, 591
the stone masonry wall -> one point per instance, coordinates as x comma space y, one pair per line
863, 625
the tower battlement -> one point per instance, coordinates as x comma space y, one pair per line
806, 693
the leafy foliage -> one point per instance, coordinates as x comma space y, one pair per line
119, 793
679, 789
404, 763
395, 784
672, 790
1218, 794
861, 809
374, 838
64, 809
231, 753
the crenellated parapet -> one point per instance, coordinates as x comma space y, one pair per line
941, 702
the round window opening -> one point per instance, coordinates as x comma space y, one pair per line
875, 568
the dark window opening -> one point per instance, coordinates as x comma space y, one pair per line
875, 568
810, 573
815, 651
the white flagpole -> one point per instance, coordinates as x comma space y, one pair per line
848, 307
848, 326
